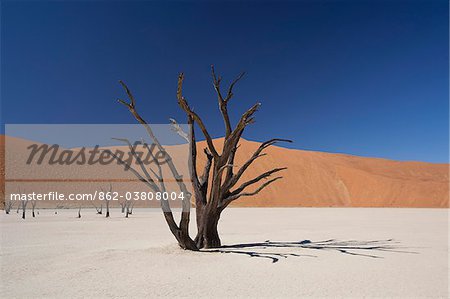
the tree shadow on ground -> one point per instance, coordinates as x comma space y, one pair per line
352, 247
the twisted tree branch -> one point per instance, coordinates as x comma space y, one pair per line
256, 179
235, 178
232, 198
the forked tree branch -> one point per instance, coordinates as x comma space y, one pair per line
232, 198
138, 159
255, 180
159, 175
181, 232
185, 106
235, 178
232, 141
223, 102
152, 185
205, 176
132, 108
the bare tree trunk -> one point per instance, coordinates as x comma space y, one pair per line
131, 209
8, 206
108, 195
127, 209
24, 207
107, 209
79, 212
208, 235
33, 206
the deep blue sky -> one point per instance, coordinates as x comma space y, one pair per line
367, 78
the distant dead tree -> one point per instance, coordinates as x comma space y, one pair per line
107, 208
99, 209
24, 207
8, 205
123, 205
108, 195
79, 212
33, 206
129, 208
219, 185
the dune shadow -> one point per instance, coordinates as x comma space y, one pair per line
275, 250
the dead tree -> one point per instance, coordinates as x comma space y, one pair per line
8, 206
129, 208
130, 212
108, 195
99, 210
226, 183
79, 212
107, 208
24, 207
33, 206
123, 205
221, 181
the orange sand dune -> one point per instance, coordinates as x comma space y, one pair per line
317, 179
320, 179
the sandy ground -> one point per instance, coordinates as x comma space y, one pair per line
311, 253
